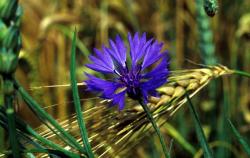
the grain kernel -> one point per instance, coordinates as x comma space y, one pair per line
207, 71
193, 81
196, 75
183, 83
204, 79
179, 91
164, 99
154, 100
167, 90
192, 86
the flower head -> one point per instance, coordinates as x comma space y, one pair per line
130, 74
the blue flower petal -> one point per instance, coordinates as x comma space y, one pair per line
105, 57
160, 69
138, 46
121, 48
153, 53
154, 82
119, 99
158, 76
117, 50
102, 63
106, 88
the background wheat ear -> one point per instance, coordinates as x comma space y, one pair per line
113, 133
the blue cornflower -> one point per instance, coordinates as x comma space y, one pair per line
132, 75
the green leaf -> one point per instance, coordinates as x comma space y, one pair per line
156, 128
28, 135
43, 114
76, 99
244, 144
199, 131
179, 138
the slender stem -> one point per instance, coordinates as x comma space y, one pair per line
240, 138
36, 150
201, 136
242, 73
171, 147
12, 126
151, 119
1, 104
76, 98
47, 151
1, 139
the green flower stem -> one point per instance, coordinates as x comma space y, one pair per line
151, 119
76, 98
242, 73
12, 126
28, 99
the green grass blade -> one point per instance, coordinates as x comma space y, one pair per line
52, 153
40, 111
49, 143
170, 148
76, 99
199, 131
80, 45
179, 138
1, 104
244, 144
222, 130
156, 128
28, 135
1, 139
1, 91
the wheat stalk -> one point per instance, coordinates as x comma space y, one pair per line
112, 133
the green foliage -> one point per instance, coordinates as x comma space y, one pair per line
10, 44
199, 131
240, 138
76, 99
44, 116
7, 9
156, 128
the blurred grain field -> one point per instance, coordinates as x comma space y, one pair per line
187, 32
